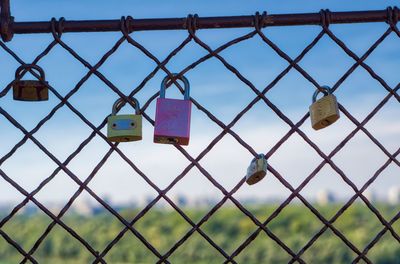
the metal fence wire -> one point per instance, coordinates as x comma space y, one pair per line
192, 23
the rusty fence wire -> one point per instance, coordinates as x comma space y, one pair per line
192, 24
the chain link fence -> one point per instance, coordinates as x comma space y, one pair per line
127, 25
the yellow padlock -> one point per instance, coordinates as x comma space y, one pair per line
124, 128
256, 170
325, 111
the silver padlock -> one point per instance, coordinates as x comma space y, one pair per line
256, 170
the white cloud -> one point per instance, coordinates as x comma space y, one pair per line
227, 161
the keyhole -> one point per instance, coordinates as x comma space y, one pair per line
325, 122
114, 125
172, 140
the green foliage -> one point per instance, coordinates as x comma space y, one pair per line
228, 227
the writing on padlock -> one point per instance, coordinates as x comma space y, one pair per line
30, 90
172, 121
325, 111
256, 170
124, 128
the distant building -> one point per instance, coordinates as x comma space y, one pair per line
202, 202
394, 195
370, 195
325, 197
145, 200
180, 200
82, 207
54, 208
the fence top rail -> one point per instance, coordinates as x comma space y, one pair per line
207, 22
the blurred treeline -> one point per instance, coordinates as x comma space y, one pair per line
228, 227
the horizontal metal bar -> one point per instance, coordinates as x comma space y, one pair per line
203, 22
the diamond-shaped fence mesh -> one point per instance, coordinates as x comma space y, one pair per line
258, 96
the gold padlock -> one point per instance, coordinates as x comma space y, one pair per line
30, 90
124, 128
256, 170
325, 111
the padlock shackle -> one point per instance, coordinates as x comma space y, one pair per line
121, 102
259, 156
182, 78
326, 90
28, 67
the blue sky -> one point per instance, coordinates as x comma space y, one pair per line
214, 87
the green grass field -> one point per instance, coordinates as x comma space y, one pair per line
228, 227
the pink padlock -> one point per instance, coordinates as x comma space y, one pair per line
172, 123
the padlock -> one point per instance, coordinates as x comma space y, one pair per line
124, 128
172, 122
256, 170
325, 111
30, 90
